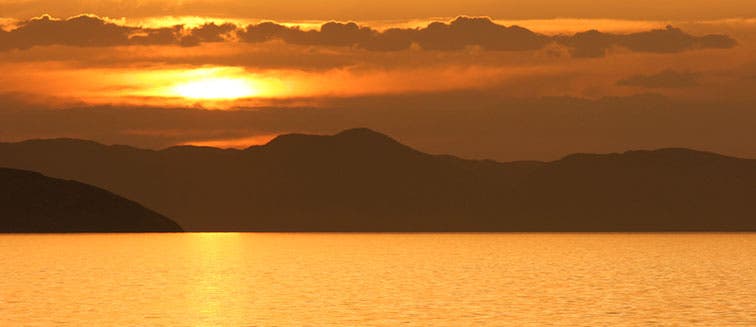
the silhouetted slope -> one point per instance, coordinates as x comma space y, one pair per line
668, 189
360, 180
33, 203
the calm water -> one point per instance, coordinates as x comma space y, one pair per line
378, 280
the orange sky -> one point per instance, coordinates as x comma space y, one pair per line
389, 9
240, 56
100, 61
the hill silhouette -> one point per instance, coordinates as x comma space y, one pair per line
361, 180
33, 203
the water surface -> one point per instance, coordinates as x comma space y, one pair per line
378, 279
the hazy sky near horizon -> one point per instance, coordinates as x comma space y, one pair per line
477, 79
389, 9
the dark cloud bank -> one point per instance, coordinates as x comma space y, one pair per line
463, 32
91, 31
665, 79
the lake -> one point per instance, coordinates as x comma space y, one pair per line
254, 279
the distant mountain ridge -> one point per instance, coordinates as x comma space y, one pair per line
362, 180
33, 203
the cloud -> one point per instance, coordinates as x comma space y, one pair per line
664, 79
77, 31
461, 33
209, 32
279, 70
93, 31
670, 40
481, 32
456, 35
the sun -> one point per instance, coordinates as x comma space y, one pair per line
216, 88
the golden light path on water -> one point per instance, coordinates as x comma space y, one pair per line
279, 279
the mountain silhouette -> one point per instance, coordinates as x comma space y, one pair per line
33, 203
361, 180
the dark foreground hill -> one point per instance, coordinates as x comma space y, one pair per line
33, 203
360, 180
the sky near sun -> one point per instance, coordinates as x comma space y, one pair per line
506, 80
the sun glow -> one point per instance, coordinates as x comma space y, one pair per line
219, 88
